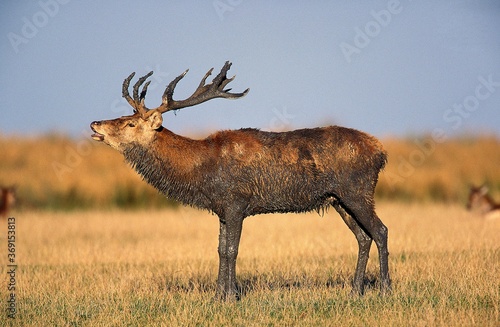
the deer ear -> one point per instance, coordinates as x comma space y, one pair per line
155, 120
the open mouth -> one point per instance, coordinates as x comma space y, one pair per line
96, 136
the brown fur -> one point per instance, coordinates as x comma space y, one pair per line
240, 173
480, 202
299, 169
8, 199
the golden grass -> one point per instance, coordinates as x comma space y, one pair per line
115, 268
422, 169
56, 172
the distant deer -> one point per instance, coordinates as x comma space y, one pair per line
240, 173
8, 198
482, 203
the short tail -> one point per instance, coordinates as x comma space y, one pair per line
382, 159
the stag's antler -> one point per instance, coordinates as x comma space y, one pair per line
203, 93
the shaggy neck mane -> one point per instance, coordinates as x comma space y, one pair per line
164, 176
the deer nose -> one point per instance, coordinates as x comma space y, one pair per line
94, 123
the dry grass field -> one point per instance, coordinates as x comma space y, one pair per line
158, 268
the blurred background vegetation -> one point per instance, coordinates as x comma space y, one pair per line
56, 172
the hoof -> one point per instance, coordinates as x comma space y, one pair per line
227, 297
385, 289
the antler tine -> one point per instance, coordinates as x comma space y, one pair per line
143, 93
169, 91
227, 81
221, 81
222, 75
125, 93
201, 88
203, 93
137, 102
139, 83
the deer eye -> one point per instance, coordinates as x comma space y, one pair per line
131, 125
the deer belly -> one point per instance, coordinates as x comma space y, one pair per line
285, 196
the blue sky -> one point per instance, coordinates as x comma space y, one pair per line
385, 67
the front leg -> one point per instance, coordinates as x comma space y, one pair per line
229, 240
233, 242
223, 263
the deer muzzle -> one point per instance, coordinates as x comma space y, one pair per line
96, 136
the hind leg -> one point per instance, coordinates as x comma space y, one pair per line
364, 244
363, 213
383, 253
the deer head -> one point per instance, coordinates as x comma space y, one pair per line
7, 199
142, 126
479, 199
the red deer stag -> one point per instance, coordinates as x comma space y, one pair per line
240, 173
8, 198
481, 203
